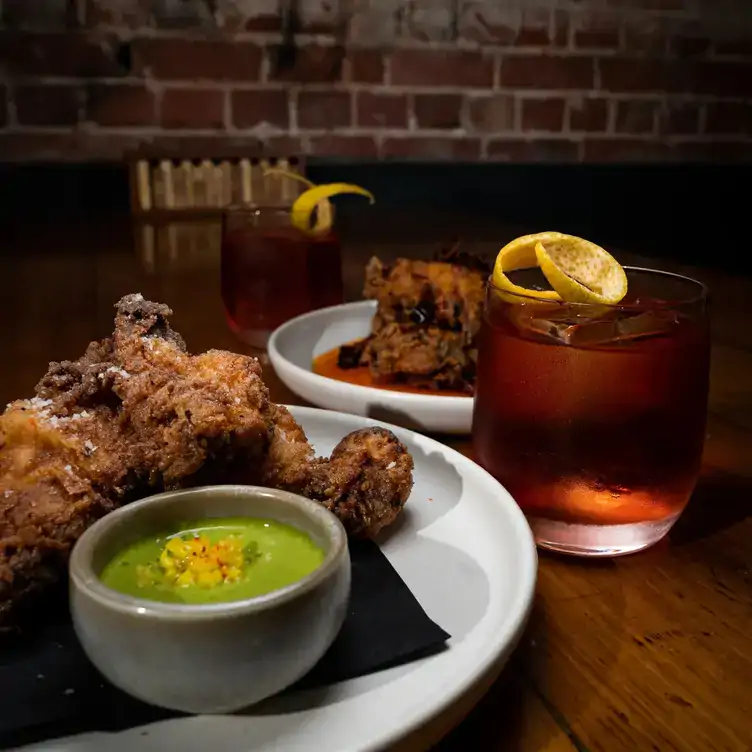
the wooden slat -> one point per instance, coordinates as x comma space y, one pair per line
172, 188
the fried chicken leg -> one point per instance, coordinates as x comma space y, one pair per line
136, 415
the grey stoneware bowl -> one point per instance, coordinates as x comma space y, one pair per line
219, 657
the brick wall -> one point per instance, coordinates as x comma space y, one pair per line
522, 80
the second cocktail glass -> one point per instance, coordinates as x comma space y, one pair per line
271, 271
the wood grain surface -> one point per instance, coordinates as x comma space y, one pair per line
648, 652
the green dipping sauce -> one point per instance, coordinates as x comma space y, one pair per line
264, 555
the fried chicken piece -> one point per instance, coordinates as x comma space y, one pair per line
137, 415
365, 481
426, 322
46, 499
429, 357
426, 293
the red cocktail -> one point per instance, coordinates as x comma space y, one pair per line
593, 416
272, 271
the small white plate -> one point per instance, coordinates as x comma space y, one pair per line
294, 345
464, 549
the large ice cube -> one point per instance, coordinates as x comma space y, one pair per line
610, 327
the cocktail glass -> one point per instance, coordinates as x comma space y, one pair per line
272, 271
593, 416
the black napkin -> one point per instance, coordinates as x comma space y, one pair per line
49, 688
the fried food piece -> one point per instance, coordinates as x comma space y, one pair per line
366, 481
46, 499
137, 414
427, 357
426, 293
426, 323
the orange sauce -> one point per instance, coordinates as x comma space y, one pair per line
326, 365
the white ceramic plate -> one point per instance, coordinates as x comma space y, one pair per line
466, 552
294, 345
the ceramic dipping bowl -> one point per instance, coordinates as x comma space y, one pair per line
217, 657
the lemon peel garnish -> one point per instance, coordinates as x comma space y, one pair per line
316, 198
302, 209
520, 254
578, 271
324, 211
582, 272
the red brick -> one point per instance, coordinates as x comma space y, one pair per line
534, 29
715, 78
679, 117
79, 146
533, 150
249, 108
381, 110
344, 146
626, 150
719, 79
543, 114
512, 26
729, 118
170, 58
323, 109
32, 147
47, 104
532, 37
689, 46
120, 105
635, 116
648, 43
209, 146
246, 15
561, 23
438, 110
306, 64
547, 72
596, 40
69, 55
72, 146
728, 152
427, 67
284, 146
588, 114
596, 30
493, 114
365, 66
431, 148
193, 108
634, 74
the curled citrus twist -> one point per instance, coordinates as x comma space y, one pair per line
578, 271
316, 199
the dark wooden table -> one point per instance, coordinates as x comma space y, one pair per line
648, 652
